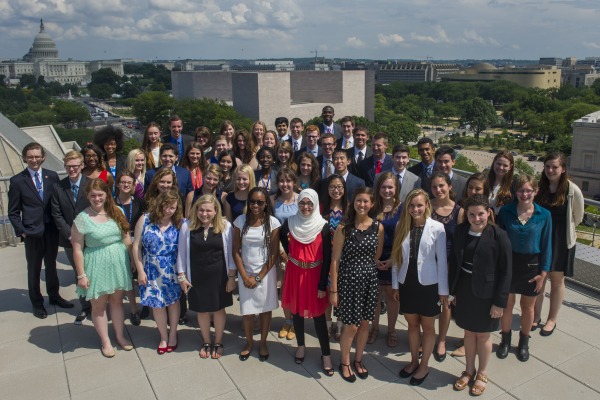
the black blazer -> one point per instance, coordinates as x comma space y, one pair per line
366, 169
65, 209
302, 142
492, 263
26, 211
121, 165
353, 167
352, 183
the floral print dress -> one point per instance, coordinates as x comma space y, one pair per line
159, 255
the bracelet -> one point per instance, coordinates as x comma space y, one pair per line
331, 291
181, 278
81, 276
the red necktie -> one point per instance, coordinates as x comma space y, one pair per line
378, 167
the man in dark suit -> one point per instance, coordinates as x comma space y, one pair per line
407, 181
347, 140
360, 151
69, 199
168, 157
281, 125
296, 138
445, 158
312, 142
325, 160
425, 168
328, 125
341, 162
29, 213
378, 162
176, 137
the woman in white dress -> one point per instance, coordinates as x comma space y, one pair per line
255, 252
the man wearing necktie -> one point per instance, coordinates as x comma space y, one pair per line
360, 151
378, 162
325, 160
347, 140
426, 167
68, 200
328, 125
407, 181
29, 213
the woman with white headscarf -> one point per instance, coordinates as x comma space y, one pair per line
306, 273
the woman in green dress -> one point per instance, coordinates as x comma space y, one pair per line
102, 250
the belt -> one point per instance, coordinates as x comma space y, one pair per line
304, 264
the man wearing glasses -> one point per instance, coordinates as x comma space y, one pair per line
29, 213
312, 142
68, 200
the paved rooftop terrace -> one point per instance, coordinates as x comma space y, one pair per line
54, 359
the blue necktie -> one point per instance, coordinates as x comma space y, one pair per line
75, 190
38, 185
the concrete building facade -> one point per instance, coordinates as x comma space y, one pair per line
584, 168
532, 76
414, 72
265, 95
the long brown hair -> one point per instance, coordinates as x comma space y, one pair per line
152, 192
350, 215
185, 161
145, 141
291, 163
505, 195
110, 207
247, 155
379, 201
543, 195
315, 173
155, 209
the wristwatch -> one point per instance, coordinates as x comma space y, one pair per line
257, 278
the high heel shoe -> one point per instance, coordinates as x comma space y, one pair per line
351, 378
299, 360
162, 350
361, 375
327, 371
170, 348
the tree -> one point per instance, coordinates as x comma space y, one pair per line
28, 81
153, 107
402, 130
69, 113
101, 91
2, 80
106, 76
41, 81
479, 113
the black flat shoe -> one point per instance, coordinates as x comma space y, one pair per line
135, 319
327, 371
361, 375
244, 357
60, 302
439, 357
537, 324
417, 381
547, 333
405, 374
351, 378
263, 357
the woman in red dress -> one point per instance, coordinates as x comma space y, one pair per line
305, 282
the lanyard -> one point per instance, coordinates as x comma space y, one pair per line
130, 211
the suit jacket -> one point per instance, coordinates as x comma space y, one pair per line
432, 264
353, 167
337, 129
339, 142
27, 212
186, 140
302, 142
352, 183
366, 168
409, 182
492, 263
184, 180
458, 185
65, 209
121, 165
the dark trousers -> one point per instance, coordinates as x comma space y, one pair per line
86, 306
320, 328
37, 250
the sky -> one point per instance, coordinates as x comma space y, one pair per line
362, 29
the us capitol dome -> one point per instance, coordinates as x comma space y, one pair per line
43, 47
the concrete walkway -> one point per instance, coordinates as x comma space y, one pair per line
54, 359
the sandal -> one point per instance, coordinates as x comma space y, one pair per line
215, 355
361, 375
207, 348
327, 371
351, 378
477, 390
392, 339
372, 336
460, 384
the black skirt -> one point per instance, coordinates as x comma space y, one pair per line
524, 268
472, 313
416, 298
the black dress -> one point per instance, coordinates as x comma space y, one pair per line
414, 297
472, 313
208, 273
562, 257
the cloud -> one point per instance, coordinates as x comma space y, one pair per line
389, 40
355, 43
439, 37
592, 45
473, 37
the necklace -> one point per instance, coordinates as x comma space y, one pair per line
525, 216
97, 212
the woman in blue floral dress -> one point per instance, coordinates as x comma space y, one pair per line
155, 254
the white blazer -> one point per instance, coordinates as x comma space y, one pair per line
432, 263
183, 254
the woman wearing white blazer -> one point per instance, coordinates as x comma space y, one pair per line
419, 278
206, 271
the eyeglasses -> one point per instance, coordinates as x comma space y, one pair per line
328, 144
308, 204
259, 203
91, 156
525, 191
312, 137
72, 167
34, 157
336, 188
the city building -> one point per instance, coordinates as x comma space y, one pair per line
265, 95
556, 61
419, 71
580, 75
532, 76
42, 59
584, 168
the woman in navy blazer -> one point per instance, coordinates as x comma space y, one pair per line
481, 265
419, 278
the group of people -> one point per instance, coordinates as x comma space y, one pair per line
313, 217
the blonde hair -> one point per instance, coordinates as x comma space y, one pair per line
218, 221
131, 163
73, 155
403, 227
245, 168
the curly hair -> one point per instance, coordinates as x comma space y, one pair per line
156, 208
266, 221
153, 191
110, 207
99, 154
108, 133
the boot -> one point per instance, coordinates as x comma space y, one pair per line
504, 346
523, 349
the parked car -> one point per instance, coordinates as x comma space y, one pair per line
494, 150
531, 157
458, 147
439, 128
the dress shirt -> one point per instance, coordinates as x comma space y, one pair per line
297, 143
396, 173
347, 143
314, 152
78, 184
326, 164
357, 153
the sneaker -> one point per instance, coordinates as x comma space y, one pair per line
135, 319
80, 318
291, 334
